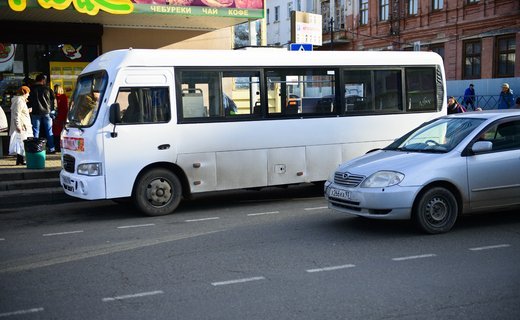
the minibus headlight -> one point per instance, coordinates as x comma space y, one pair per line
382, 179
90, 169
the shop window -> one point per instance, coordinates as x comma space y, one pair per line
505, 56
11, 72
472, 59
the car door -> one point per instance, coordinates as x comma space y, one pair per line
494, 176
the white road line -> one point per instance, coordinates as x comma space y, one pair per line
505, 245
317, 208
137, 226
262, 213
132, 296
62, 233
415, 257
203, 219
345, 266
20, 312
223, 283
2, 239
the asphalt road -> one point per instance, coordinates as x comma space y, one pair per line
275, 254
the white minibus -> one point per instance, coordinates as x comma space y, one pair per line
159, 125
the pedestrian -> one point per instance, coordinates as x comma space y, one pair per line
20, 128
506, 100
454, 106
469, 97
61, 114
42, 102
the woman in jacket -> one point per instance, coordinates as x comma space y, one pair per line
20, 121
61, 114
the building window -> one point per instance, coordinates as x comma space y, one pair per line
438, 4
298, 5
472, 1
438, 49
472, 59
289, 9
383, 10
505, 56
363, 12
413, 7
267, 16
276, 13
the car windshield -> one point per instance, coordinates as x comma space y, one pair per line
438, 136
86, 99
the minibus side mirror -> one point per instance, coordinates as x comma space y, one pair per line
114, 116
115, 113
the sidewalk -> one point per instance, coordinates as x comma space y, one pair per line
52, 161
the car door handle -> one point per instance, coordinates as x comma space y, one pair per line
163, 147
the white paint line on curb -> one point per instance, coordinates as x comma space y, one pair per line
133, 296
415, 257
223, 283
505, 245
345, 266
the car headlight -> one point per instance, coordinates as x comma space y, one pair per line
382, 179
90, 169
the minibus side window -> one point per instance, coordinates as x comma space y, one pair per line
144, 105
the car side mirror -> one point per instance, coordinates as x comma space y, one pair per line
115, 113
482, 146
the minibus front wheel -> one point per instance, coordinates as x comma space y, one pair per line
157, 192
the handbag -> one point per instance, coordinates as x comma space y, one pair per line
3, 120
16, 144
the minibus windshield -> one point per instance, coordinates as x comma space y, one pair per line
87, 98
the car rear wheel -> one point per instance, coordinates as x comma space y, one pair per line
157, 192
436, 211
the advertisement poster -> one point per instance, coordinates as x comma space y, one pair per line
7, 51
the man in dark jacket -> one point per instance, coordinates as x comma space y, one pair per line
41, 101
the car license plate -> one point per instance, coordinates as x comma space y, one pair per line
341, 194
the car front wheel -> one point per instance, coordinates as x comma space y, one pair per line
436, 211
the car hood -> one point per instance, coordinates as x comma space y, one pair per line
388, 160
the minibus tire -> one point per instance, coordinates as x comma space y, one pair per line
157, 192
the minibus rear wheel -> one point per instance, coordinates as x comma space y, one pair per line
157, 192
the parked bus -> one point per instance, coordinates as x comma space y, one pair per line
159, 125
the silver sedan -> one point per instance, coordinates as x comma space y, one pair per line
450, 166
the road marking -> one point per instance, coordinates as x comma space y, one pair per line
316, 208
345, 266
65, 256
223, 283
2, 239
137, 226
203, 219
62, 233
505, 245
262, 213
415, 257
133, 296
20, 312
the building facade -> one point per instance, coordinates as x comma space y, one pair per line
478, 39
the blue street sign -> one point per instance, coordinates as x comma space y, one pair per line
300, 47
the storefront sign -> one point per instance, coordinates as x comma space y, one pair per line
215, 8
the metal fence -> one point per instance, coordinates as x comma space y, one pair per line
484, 102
